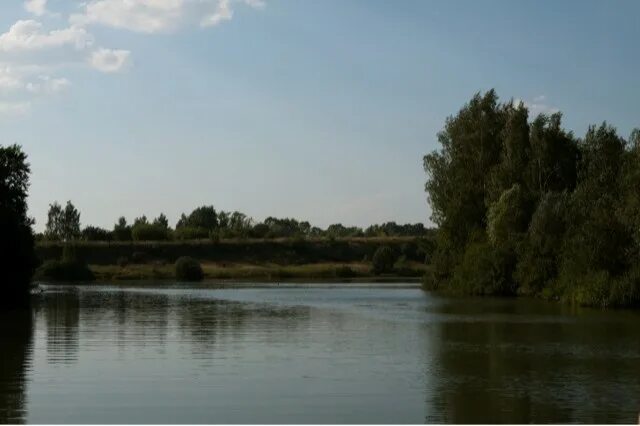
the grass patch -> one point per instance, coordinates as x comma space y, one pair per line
329, 271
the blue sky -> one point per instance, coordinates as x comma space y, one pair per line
319, 110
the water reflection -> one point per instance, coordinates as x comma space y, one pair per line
530, 363
164, 355
62, 317
16, 332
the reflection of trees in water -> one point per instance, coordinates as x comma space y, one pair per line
126, 318
16, 331
130, 318
61, 316
208, 322
494, 369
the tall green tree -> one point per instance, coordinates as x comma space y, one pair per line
17, 252
63, 224
121, 230
525, 207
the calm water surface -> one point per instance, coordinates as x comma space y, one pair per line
313, 354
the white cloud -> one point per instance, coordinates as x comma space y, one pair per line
36, 7
537, 106
256, 4
9, 79
109, 60
222, 13
17, 80
47, 85
31, 54
14, 108
145, 16
28, 35
157, 16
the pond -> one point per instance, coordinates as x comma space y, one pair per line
352, 353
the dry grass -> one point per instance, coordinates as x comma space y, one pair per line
246, 271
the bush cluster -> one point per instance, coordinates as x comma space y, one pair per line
188, 269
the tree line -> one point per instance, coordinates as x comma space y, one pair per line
63, 224
526, 207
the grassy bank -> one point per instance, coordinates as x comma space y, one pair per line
255, 259
280, 251
262, 272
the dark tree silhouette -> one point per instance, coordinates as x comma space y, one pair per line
17, 243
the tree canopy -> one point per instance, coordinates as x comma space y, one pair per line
525, 207
17, 242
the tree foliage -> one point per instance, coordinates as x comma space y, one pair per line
121, 230
383, 260
158, 230
63, 224
525, 207
188, 269
94, 233
17, 243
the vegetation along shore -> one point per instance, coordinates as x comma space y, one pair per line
521, 206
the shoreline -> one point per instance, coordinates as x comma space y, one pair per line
251, 272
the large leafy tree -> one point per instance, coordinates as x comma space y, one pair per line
523, 206
63, 224
204, 217
17, 244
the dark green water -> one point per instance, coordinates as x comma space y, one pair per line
317, 354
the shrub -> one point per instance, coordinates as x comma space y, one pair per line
484, 270
344, 272
92, 233
64, 270
139, 257
188, 269
149, 232
123, 261
191, 233
625, 291
429, 281
259, 231
383, 260
410, 251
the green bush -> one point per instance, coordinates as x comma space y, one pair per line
93, 233
188, 269
410, 251
484, 270
259, 231
429, 281
149, 232
64, 270
191, 233
383, 260
344, 272
625, 291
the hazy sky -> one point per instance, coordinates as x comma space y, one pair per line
314, 109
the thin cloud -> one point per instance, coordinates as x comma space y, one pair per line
158, 16
109, 60
48, 85
14, 108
